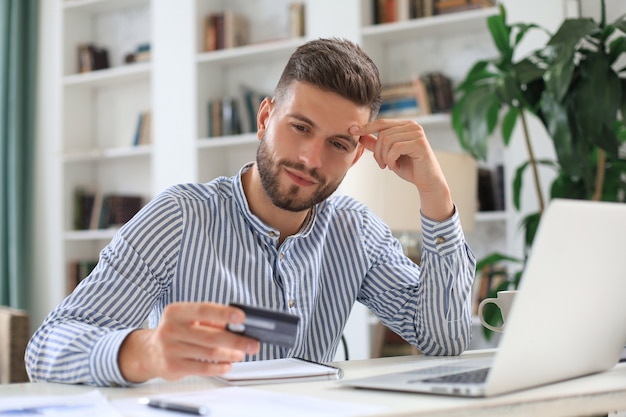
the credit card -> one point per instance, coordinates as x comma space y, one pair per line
268, 326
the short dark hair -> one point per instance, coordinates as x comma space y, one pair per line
336, 65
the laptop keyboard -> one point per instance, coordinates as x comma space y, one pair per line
468, 377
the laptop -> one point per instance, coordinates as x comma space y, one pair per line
567, 320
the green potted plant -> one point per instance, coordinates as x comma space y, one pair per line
573, 85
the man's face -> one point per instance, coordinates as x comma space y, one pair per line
305, 148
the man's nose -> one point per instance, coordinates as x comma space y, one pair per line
312, 152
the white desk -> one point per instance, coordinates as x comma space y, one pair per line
592, 395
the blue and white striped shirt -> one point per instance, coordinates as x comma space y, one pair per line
200, 242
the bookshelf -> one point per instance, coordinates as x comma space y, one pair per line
94, 114
98, 113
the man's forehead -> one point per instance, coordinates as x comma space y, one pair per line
318, 105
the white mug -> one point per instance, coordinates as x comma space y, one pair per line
503, 300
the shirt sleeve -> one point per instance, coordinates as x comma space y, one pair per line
80, 339
428, 305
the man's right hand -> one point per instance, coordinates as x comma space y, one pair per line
191, 339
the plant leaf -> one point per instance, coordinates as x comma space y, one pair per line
559, 74
530, 224
572, 31
596, 104
518, 179
500, 34
616, 48
508, 124
474, 115
556, 120
475, 76
517, 184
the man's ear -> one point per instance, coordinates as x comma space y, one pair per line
262, 116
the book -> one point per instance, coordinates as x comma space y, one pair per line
138, 127
122, 208
83, 207
296, 19
236, 30
442, 88
92, 57
498, 188
486, 196
251, 99
454, 6
115, 209
143, 129
145, 134
14, 336
94, 218
422, 95
275, 371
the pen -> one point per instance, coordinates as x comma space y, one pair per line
198, 410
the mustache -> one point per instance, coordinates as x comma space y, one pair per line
300, 167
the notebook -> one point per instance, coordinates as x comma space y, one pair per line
568, 318
275, 371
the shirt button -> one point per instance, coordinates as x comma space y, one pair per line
272, 234
281, 256
441, 239
291, 303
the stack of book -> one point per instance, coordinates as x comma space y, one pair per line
400, 100
14, 336
439, 92
426, 94
93, 210
389, 11
92, 57
142, 53
224, 116
223, 30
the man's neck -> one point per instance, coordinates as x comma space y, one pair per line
286, 222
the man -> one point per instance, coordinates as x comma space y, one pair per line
271, 236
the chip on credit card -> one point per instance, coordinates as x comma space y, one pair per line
268, 326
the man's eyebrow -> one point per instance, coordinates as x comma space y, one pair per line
344, 136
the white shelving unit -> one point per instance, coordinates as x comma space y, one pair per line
98, 111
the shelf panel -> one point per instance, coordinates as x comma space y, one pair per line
491, 216
435, 119
442, 25
250, 53
89, 235
228, 141
110, 76
111, 153
100, 6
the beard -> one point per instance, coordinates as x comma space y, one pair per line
291, 200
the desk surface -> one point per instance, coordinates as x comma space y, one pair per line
592, 395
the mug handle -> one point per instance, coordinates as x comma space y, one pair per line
481, 307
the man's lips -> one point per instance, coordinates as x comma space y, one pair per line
299, 178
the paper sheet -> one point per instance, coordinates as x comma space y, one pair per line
245, 402
92, 404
